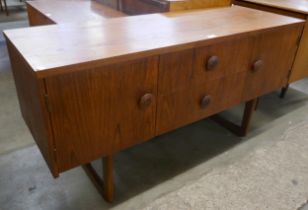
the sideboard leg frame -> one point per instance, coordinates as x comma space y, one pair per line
239, 130
257, 104
105, 186
284, 91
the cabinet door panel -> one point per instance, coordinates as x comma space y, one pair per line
276, 50
98, 112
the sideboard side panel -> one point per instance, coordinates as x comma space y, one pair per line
36, 18
31, 95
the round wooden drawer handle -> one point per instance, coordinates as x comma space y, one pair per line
146, 100
257, 66
212, 63
205, 101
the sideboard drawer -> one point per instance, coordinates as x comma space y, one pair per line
222, 59
181, 70
97, 112
182, 107
227, 73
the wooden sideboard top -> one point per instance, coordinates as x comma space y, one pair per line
77, 11
300, 6
49, 50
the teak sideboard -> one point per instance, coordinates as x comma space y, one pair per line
91, 90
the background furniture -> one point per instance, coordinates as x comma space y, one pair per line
3, 6
136, 7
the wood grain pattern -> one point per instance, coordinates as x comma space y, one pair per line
255, 5
183, 82
120, 39
175, 71
182, 107
31, 93
277, 61
104, 187
113, 86
298, 9
36, 18
300, 68
233, 58
96, 112
299, 6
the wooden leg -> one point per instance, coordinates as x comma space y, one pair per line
239, 130
284, 91
119, 5
257, 104
5, 8
1, 7
108, 178
105, 186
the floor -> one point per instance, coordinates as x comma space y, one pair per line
16, 9
143, 173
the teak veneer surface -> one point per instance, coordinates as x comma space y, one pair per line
292, 8
128, 38
77, 11
300, 6
93, 88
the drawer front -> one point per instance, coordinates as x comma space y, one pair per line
99, 111
271, 61
217, 71
223, 59
185, 106
181, 70
227, 73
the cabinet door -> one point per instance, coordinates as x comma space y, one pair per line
271, 61
99, 111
